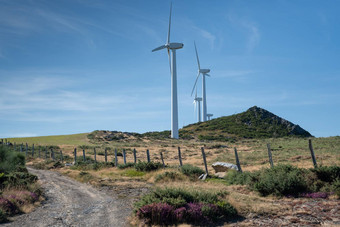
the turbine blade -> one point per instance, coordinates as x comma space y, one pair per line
198, 61
159, 48
195, 83
168, 40
207, 75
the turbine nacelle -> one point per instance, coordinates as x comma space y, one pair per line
198, 99
204, 71
175, 45
171, 46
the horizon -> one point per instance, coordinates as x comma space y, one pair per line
71, 67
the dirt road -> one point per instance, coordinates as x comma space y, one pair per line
70, 203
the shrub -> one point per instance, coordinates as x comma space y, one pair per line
235, 177
193, 213
8, 207
127, 165
191, 171
327, 173
177, 196
3, 218
9, 160
336, 188
280, 180
157, 213
148, 166
91, 165
19, 178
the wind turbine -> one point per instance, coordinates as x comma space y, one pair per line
197, 102
204, 73
209, 116
172, 61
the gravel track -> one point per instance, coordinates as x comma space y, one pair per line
70, 203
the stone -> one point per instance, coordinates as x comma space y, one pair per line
223, 166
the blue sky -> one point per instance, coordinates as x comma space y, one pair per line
72, 66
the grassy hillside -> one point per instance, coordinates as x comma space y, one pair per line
253, 123
74, 139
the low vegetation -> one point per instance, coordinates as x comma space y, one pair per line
18, 188
287, 180
176, 205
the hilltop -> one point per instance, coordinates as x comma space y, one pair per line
253, 123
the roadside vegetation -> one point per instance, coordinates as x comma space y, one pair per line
287, 180
18, 188
259, 190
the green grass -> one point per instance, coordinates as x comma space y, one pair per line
74, 139
133, 173
285, 150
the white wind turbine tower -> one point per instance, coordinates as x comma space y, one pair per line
209, 116
174, 105
204, 73
197, 102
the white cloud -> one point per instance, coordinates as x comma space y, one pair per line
206, 34
251, 29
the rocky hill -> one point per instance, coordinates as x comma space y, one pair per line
253, 123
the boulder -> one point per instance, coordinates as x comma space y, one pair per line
223, 166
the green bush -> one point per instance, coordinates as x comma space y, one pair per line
127, 165
336, 188
148, 166
239, 178
280, 180
327, 173
10, 160
191, 171
172, 196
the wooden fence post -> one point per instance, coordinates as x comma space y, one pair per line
134, 155
270, 156
180, 156
21, 148
84, 158
26, 149
205, 161
39, 151
61, 156
105, 154
45, 153
75, 155
32, 150
237, 160
2, 142
148, 155
116, 158
312, 153
162, 159
124, 156
95, 154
